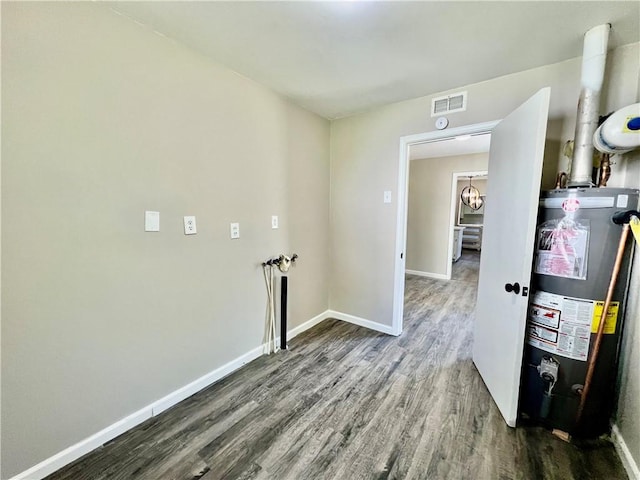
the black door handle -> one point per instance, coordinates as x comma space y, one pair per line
515, 288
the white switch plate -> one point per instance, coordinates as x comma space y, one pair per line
190, 225
274, 221
234, 229
151, 221
387, 196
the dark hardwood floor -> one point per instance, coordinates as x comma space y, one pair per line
348, 403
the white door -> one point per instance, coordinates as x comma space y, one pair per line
513, 188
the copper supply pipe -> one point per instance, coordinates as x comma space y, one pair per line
596, 345
561, 180
605, 170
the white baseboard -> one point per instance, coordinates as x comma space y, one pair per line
628, 461
68, 455
185, 392
363, 322
307, 325
438, 276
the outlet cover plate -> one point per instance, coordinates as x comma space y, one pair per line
190, 225
234, 230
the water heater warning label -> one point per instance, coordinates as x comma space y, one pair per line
563, 325
609, 322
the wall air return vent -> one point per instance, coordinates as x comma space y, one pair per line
456, 102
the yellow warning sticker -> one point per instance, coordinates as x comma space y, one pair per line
611, 320
635, 228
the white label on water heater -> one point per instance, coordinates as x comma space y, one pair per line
560, 325
563, 325
623, 201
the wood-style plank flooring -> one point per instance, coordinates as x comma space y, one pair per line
348, 403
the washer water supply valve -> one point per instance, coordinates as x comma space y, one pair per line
283, 262
548, 370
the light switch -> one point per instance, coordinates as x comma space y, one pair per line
235, 230
387, 196
274, 221
190, 225
151, 221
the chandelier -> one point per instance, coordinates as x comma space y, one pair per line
470, 196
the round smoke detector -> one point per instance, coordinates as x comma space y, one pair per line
442, 123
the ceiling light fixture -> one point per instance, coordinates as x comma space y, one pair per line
470, 196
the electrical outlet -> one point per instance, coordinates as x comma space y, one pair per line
274, 221
235, 230
190, 225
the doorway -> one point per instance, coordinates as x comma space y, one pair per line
433, 238
407, 144
468, 223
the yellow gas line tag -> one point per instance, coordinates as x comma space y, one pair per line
634, 223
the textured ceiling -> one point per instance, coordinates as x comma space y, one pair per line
339, 58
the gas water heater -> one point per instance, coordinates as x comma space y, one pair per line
575, 252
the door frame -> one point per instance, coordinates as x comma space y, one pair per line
403, 198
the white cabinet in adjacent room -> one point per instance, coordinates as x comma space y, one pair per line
457, 242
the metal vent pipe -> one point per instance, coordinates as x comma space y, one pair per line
594, 56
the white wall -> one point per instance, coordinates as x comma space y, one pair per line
102, 120
364, 163
627, 419
428, 217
